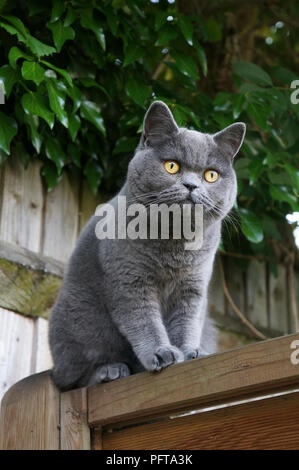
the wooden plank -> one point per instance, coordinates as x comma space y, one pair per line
42, 355
257, 294
89, 203
270, 423
22, 204
216, 294
29, 283
16, 338
31, 260
61, 219
97, 439
75, 432
278, 301
235, 325
20, 224
30, 415
248, 370
234, 280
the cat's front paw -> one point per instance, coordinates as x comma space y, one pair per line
163, 357
193, 353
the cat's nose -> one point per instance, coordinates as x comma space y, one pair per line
189, 185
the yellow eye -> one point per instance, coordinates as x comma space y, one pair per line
171, 166
211, 176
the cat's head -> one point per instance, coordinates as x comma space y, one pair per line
177, 165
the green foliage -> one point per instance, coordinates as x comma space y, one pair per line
79, 76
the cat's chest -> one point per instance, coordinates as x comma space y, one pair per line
175, 284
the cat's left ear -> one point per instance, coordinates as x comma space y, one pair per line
231, 138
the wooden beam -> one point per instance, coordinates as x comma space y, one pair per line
29, 282
271, 423
75, 433
30, 415
249, 370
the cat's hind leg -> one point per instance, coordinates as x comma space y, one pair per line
109, 372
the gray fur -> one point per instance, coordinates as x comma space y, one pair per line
132, 305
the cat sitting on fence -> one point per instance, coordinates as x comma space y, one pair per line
133, 304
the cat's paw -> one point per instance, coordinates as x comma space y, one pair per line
109, 372
164, 356
193, 353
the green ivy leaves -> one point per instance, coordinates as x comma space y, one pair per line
252, 72
36, 105
132, 53
185, 64
89, 22
8, 129
9, 76
55, 153
57, 102
94, 174
251, 226
15, 26
61, 33
92, 113
137, 91
33, 71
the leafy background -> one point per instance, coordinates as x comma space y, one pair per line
78, 77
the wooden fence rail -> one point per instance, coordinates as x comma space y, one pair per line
247, 398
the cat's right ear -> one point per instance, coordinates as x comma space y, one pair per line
158, 124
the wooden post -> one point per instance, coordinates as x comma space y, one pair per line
30, 415
36, 416
75, 432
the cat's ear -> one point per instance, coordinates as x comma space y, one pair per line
158, 123
231, 138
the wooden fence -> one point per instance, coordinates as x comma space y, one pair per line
47, 224
247, 398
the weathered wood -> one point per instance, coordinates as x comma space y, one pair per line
246, 398
227, 339
22, 204
235, 325
97, 438
29, 283
21, 220
30, 415
89, 203
216, 294
278, 301
42, 358
75, 432
234, 280
31, 260
256, 292
270, 423
61, 219
16, 337
248, 370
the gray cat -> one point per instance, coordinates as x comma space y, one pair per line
126, 305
